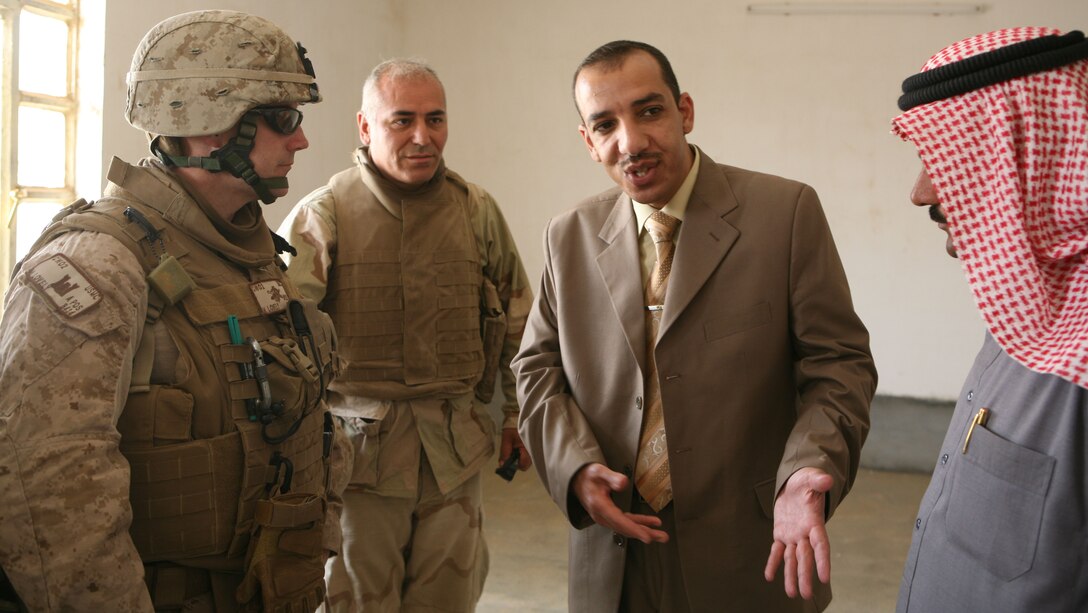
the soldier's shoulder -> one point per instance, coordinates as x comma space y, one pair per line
88, 280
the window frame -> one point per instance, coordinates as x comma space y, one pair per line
12, 194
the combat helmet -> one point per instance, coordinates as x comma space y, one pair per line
202, 72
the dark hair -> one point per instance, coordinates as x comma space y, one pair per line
612, 56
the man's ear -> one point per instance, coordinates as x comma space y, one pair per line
589, 142
364, 128
687, 111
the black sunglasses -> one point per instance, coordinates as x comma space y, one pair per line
282, 119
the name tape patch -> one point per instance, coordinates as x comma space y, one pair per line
59, 280
271, 296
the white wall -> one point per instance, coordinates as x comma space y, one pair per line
343, 38
805, 97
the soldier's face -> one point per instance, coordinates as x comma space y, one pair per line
273, 153
407, 130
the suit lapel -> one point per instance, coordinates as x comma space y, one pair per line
618, 264
705, 238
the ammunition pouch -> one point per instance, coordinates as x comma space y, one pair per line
185, 498
493, 335
285, 569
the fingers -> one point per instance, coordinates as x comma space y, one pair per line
506, 446
789, 573
593, 485
801, 545
511, 441
601, 474
616, 481
773, 561
803, 555
822, 550
792, 559
638, 527
801, 560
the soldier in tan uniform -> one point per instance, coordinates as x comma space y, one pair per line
418, 270
164, 438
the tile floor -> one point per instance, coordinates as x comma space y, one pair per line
527, 536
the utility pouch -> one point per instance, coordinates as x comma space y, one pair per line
285, 570
493, 335
294, 384
169, 280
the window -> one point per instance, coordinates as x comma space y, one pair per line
39, 111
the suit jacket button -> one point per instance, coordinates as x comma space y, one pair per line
619, 540
638, 403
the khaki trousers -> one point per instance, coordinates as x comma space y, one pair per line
424, 554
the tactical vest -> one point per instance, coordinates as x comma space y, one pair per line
205, 435
405, 292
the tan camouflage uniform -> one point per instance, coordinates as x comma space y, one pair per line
140, 468
63, 482
413, 538
73, 320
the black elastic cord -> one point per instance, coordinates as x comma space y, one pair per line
976, 72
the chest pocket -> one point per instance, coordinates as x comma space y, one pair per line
732, 322
995, 506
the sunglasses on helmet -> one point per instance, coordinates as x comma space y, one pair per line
282, 119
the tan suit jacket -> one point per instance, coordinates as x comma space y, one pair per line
764, 369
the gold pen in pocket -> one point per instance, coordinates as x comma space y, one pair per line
979, 420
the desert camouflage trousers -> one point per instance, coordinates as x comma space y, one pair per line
421, 554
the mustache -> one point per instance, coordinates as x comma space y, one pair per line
935, 214
634, 158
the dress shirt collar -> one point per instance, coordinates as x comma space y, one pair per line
677, 205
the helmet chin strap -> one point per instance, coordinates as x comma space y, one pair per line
233, 158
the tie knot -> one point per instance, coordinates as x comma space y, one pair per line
661, 226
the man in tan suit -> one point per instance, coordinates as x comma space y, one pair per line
752, 360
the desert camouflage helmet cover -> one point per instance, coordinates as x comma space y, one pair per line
197, 73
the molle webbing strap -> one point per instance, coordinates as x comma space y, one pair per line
142, 185
459, 301
209, 306
1002, 64
159, 415
304, 449
269, 513
143, 362
184, 497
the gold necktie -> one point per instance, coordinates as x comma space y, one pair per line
652, 472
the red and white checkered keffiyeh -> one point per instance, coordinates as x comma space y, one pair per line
1009, 162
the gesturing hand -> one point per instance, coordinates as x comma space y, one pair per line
593, 485
800, 535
